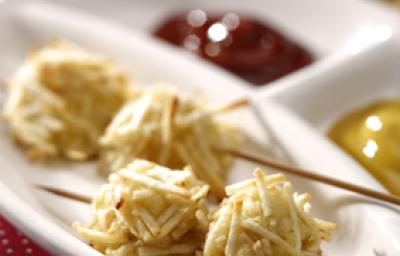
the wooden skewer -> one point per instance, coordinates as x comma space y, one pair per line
66, 194
172, 111
264, 161
173, 108
271, 163
218, 109
231, 105
314, 176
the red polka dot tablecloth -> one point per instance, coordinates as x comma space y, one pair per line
15, 243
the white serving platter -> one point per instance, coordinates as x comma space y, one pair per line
47, 218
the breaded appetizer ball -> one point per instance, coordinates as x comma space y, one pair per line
61, 99
263, 216
168, 127
148, 210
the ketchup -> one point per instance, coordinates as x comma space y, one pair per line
242, 45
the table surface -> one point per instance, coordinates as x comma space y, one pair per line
15, 243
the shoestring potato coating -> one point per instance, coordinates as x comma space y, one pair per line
168, 127
61, 99
263, 216
148, 210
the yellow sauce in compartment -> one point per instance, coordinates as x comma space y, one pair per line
372, 136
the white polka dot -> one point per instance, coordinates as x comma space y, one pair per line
28, 250
9, 251
5, 241
2, 232
25, 241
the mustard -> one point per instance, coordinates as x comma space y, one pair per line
372, 136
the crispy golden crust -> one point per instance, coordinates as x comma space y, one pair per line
61, 99
170, 128
263, 216
146, 209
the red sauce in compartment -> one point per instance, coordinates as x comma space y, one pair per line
242, 45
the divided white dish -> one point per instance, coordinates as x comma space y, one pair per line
322, 26
358, 79
47, 218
